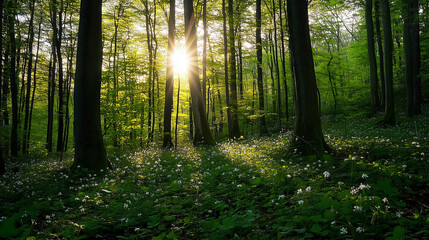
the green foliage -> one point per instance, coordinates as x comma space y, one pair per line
372, 187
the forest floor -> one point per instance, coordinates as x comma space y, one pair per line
374, 186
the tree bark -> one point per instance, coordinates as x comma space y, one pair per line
235, 130
308, 129
29, 72
389, 112
13, 79
89, 147
169, 84
412, 55
283, 61
202, 129
225, 49
380, 51
263, 126
371, 55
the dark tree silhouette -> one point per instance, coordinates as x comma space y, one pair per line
89, 147
308, 137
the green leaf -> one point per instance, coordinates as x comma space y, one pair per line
316, 228
7, 228
228, 223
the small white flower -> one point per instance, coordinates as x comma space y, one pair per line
299, 191
357, 208
333, 222
360, 230
364, 176
343, 230
385, 200
308, 189
326, 174
300, 202
239, 185
398, 214
281, 196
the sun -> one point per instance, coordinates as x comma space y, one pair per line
180, 61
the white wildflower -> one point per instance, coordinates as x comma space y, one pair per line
326, 174
343, 230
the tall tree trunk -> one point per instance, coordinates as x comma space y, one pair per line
240, 64
205, 52
263, 126
202, 130
371, 55
34, 85
177, 113
89, 147
283, 61
225, 49
29, 72
308, 129
169, 84
1, 66
235, 130
52, 87
389, 113
150, 77
13, 79
276, 61
380, 51
58, 39
412, 55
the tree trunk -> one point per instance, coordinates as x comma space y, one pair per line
380, 51
263, 126
205, 52
29, 72
283, 61
389, 113
235, 130
202, 129
225, 49
89, 147
276, 61
58, 39
371, 55
51, 87
13, 79
412, 56
308, 137
169, 84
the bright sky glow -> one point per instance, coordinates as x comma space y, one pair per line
180, 60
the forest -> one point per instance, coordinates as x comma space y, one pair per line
220, 119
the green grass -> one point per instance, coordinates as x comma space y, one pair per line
374, 186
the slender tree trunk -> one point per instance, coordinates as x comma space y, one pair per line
202, 130
263, 126
52, 87
276, 61
371, 55
89, 147
169, 84
13, 79
205, 52
225, 48
380, 51
235, 130
29, 72
58, 41
150, 77
308, 129
34, 85
283, 61
177, 113
389, 113
240, 64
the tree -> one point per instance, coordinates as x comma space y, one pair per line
168, 106
202, 130
308, 129
380, 51
235, 130
412, 55
371, 55
89, 147
263, 126
13, 78
389, 110
225, 56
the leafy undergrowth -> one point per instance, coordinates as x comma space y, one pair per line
374, 186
